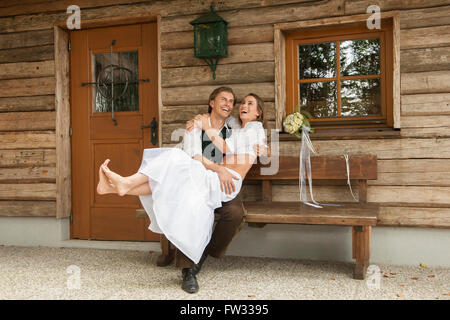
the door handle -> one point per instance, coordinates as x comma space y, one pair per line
154, 131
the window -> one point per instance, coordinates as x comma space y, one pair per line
343, 76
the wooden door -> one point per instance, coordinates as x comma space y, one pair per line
110, 103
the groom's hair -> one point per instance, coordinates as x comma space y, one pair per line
218, 90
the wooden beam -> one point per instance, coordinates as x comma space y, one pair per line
27, 175
27, 208
425, 82
34, 103
280, 77
167, 253
425, 104
339, 20
266, 187
322, 167
423, 60
415, 215
382, 148
411, 194
40, 53
27, 87
27, 70
360, 6
28, 191
49, 6
263, 14
62, 104
425, 17
236, 73
361, 250
199, 94
181, 114
430, 37
236, 35
27, 158
396, 90
27, 140
25, 121
26, 39
242, 53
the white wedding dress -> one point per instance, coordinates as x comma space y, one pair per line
185, 194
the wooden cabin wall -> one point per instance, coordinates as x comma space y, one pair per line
413, 171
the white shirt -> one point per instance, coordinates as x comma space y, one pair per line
192, 141
243, 140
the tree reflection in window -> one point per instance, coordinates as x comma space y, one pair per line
360, 57
359, 78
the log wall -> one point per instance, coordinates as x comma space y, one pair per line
413, 169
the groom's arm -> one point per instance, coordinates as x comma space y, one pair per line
225, 177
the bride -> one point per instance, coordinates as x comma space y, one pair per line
178, 191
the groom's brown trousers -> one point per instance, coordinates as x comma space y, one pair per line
230, 220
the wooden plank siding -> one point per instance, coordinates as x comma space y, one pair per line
413, 169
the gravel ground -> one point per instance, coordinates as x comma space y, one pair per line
53, 273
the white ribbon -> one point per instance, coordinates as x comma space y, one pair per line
305, 160
305, 164
348, 176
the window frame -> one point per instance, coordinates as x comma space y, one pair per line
283, 32
293, 40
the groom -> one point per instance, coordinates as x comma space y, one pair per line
230, 215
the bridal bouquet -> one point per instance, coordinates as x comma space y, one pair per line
295, 122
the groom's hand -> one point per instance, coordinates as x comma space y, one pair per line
226, 181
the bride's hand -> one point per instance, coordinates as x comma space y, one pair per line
261, 150
190, 125
226, 181
201, 121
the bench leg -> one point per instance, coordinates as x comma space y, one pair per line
361, 250
168, 252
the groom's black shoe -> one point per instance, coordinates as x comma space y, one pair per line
190, 284
198, 266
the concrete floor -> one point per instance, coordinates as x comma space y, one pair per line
74, 273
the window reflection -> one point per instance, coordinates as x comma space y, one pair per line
359, 57
317, 60
319, 98
360, 98
124, 90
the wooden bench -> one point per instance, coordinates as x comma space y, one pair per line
361, 216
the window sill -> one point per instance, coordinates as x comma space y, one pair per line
347, 134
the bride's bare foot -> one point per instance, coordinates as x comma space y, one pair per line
104, 185
120, 184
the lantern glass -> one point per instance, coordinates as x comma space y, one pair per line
211, 40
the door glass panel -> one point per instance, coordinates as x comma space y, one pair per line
116, 81
360, 57
317, 60
319, 98
361, 98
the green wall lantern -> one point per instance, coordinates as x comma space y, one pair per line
210, 38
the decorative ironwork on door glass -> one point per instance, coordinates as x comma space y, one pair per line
116, 77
